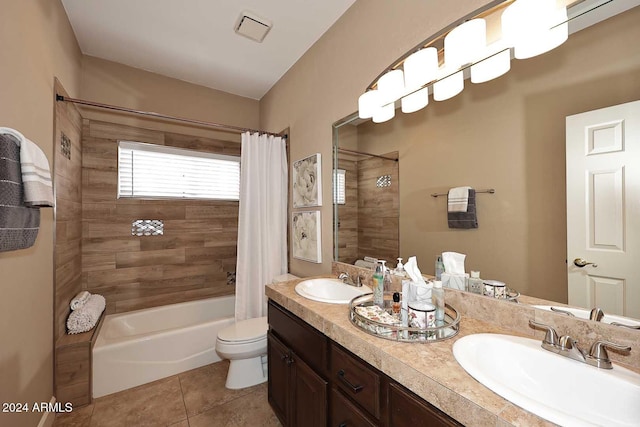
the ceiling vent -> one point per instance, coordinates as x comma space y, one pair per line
252, 26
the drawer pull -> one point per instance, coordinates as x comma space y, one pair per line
342, 425
354, 388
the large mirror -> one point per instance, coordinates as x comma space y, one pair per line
509, 135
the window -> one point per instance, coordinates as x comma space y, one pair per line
158, 171
339, 187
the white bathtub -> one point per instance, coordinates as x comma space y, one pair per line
145, 345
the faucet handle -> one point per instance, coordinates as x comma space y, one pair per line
551, 338
599, 349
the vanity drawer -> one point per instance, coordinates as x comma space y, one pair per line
304, 340
408, 410
346, 414
359, 382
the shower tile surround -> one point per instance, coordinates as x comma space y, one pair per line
369, 218
430, 370
193, 257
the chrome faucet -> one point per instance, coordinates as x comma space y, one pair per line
568, 347
346, 279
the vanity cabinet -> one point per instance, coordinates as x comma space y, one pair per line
297, 355
314, 381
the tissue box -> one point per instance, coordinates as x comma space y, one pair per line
455, 281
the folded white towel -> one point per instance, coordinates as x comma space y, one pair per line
36, 175
79, 300
458, 199
86, 317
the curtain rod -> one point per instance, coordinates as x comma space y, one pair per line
163, 116
366, 154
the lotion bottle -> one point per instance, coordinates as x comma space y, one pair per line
378, 285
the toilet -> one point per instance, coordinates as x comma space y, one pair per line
244, 344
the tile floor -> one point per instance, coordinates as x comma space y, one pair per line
195, 398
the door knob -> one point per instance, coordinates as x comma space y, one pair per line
579, 262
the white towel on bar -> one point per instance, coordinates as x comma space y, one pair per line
85, 318
458, 199
79, 300
36, 175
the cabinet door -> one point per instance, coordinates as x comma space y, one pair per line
309, 396
278, 394
406, 410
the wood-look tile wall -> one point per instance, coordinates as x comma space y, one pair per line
190, 261
348, 214
378, 210
67, 174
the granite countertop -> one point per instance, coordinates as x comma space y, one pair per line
429, 370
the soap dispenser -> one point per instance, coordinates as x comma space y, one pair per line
399, 271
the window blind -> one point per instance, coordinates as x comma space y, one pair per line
158, 171
339, 195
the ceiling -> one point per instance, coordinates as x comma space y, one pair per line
194, 40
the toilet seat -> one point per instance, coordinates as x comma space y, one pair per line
245, 331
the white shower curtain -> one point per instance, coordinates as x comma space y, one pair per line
262, 223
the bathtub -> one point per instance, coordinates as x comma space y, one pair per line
140, 346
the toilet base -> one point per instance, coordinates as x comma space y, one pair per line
245, 373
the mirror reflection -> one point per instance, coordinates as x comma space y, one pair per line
509, 134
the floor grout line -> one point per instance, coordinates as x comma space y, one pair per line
184, 404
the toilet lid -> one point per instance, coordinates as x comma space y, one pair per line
245, 330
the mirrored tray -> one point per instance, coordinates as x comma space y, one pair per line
443, 330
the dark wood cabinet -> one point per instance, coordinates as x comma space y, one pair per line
355, 394
278, 386
297, 355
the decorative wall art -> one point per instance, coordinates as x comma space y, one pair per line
305, 231
307, 179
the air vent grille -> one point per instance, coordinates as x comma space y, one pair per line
252, 26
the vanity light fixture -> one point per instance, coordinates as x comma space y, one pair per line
529, 27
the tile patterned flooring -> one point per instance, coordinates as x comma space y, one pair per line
195, 398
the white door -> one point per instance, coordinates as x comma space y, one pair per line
603, 209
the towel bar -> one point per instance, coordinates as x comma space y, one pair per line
488, 190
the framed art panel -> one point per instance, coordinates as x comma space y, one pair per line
307, 180
305, 232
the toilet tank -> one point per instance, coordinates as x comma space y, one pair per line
284, 278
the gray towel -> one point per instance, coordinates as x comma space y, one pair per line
18, 224
466, 219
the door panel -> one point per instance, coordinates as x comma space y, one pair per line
603, 208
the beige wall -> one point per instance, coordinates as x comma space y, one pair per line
112, 83
37, 43
508, 134
324, 85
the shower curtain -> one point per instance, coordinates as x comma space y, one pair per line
262, 222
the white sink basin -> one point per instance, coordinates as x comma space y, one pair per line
582, 313
561, 390
333, 291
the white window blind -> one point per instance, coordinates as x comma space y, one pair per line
158, 171
339, 195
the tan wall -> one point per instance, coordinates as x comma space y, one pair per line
189, 261
37, 43
508, 134
324, 85
112, 83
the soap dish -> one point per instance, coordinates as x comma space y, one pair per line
380, 322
